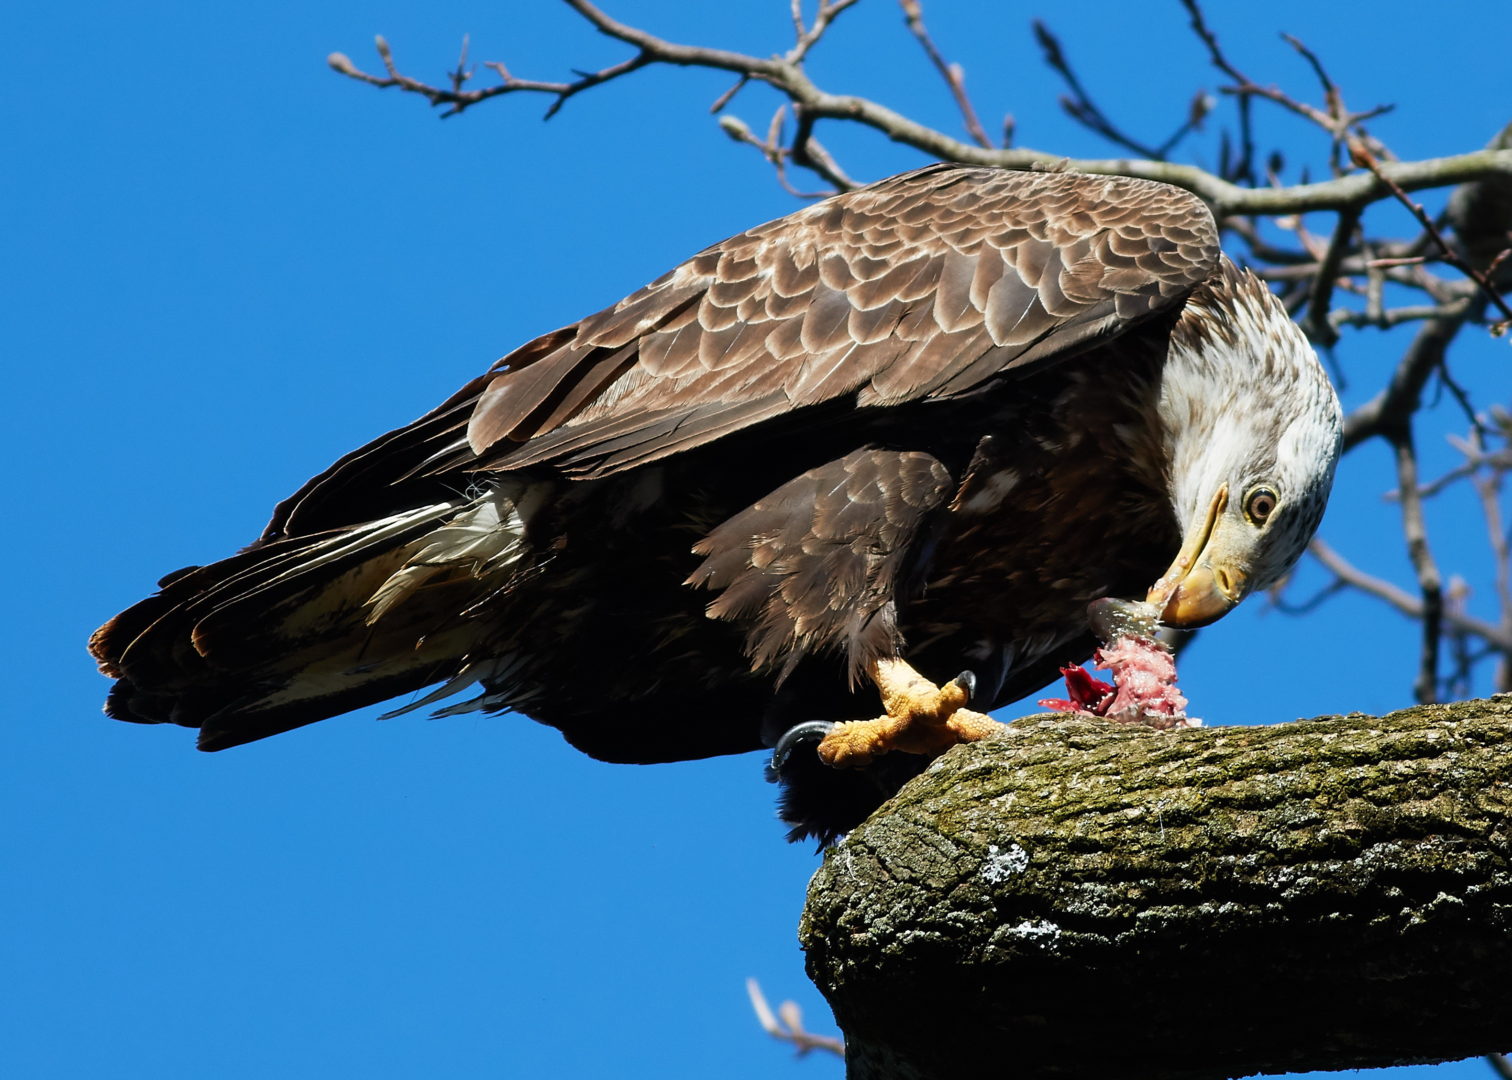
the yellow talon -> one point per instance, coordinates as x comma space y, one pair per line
920, 718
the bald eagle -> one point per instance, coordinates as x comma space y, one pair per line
912, 429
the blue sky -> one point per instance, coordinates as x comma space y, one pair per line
228, 266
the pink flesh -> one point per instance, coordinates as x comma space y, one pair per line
1144, 672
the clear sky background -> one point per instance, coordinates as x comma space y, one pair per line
227, 265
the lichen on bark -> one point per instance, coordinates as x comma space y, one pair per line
1082, 899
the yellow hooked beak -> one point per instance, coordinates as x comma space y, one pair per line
1204, 582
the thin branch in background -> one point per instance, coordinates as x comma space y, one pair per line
1485, 468
1334, 118
1395, 405
771, 148
1375, 279
1341, 119
1496, 262
1430, 584
1500, 1065
461, 73
811, 104
1081, 108
953, 74
1333, 102
1312, 603
729, 95
1318, 326
1461, 397
1499, 460
1386, 318
1331, 94
1462, 658
1488, 485
1079, 105
807, 38
811, 154
1363, 157
457, 99
1303, 267
1197, 111
1348, 574
1244, 169
786, 1024
1351, 576
1261, 248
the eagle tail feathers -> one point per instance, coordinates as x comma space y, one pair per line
299, 629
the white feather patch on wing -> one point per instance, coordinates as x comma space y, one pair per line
486, 537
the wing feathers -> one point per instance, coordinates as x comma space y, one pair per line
927, 284
814, 564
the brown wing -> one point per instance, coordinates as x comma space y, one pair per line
814, 563
924, 285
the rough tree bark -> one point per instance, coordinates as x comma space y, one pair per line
1082, 900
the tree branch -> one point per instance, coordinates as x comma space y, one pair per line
1430, 581
955, 78
1362, 156
786, 1024
1348, 574
1394, 406
1318, 325
1328, 894
788, 77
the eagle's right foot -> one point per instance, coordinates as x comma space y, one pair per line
920, 718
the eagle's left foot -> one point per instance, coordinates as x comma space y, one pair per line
920, 718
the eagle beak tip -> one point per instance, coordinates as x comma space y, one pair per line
1202, 597
1201, 585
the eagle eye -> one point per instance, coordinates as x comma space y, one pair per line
1260, 504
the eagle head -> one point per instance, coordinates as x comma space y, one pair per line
1253, 430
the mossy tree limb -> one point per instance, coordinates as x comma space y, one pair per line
1079, 899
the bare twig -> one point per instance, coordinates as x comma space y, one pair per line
1386, 318
1334, 118
456, 99
1496, 460
1079, 105
953, 74
771, 148
1395, 596
1081, 108
1318, 325
729, 95
807, 38
1488, 486
1363, 157
787, 1024
1394, 406
1430, 584
1462, 657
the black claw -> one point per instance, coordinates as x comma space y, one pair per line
966, 680
812, 730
